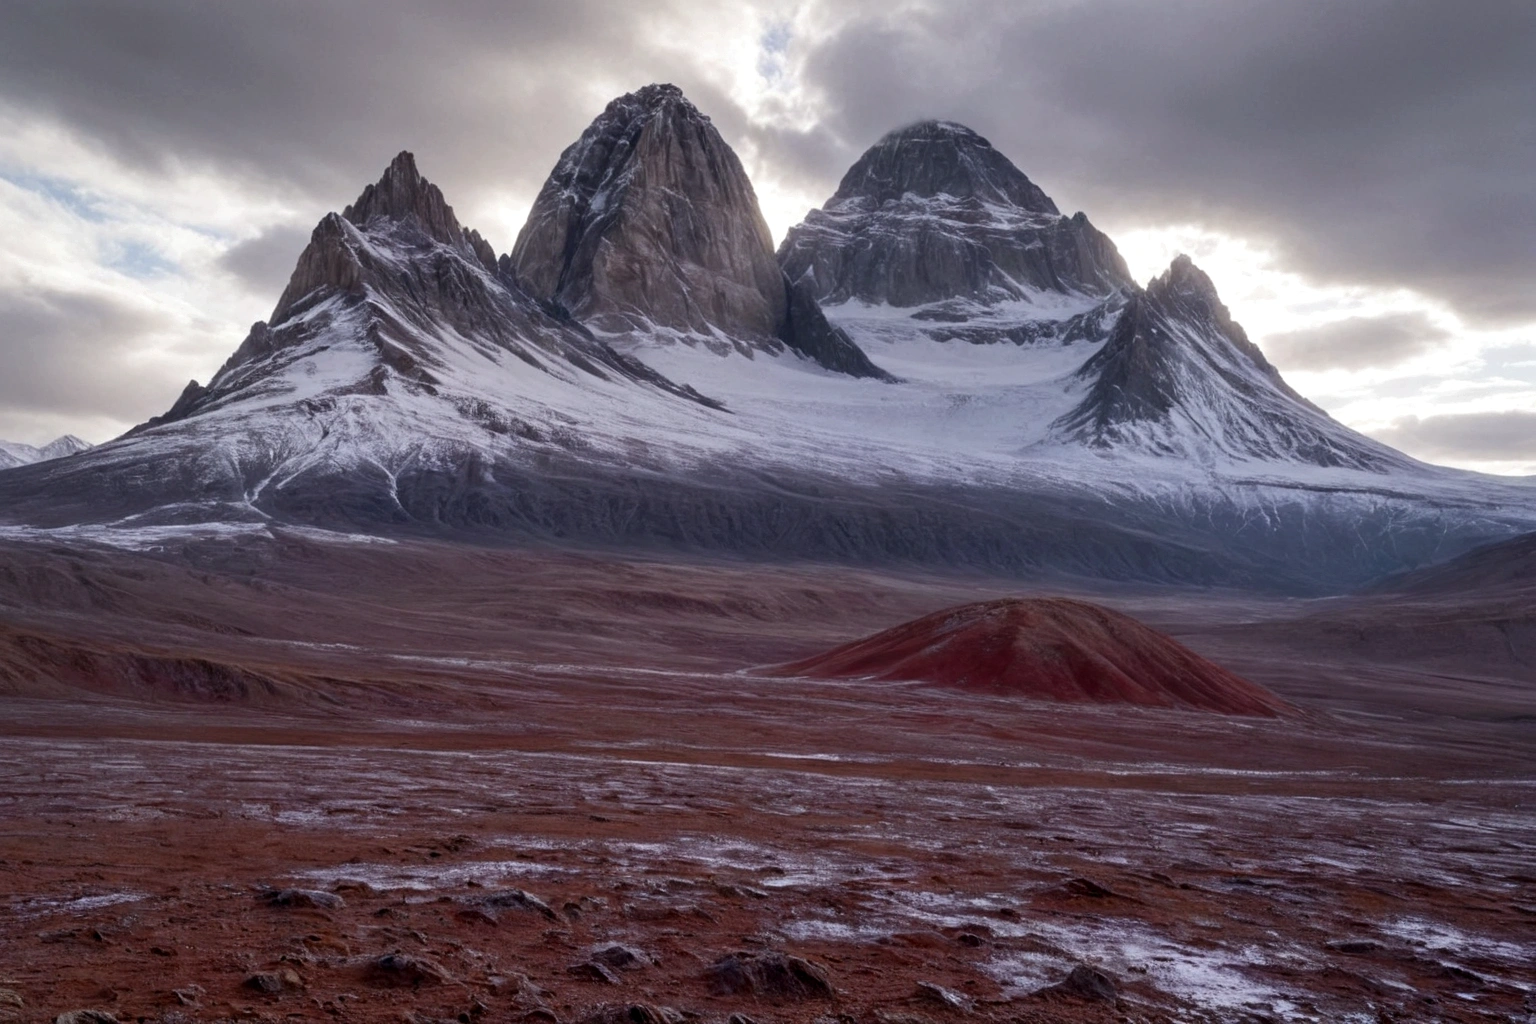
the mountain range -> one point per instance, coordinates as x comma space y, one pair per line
938, 367
14, 453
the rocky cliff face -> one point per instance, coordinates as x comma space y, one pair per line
931, 213
1179, 376
649, 221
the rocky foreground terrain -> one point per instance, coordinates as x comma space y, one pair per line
287, 777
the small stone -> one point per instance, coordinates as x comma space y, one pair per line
1085, 983
933, 993
508, 899
620, 957
1087, 887
310, 898
591, 970
397, 970
1354, 946
479, 915
85, 1017
771, 974
269, 984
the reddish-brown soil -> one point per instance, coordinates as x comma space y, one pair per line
1045, 649
301, 780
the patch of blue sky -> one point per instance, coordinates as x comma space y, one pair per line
64, 193
139, 260
772, 46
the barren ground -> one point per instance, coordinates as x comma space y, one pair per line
494, 766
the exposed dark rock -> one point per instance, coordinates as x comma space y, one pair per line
509, 899
634, 1013
399, 970
275, 982
312, 898
592, 970
807, 331
769, 974
1354, 946
1084, 982
85, 1017
650, 220
621, 957
933, 212
1086, 887
938, 994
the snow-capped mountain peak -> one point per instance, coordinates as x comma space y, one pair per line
932, 213
14, 453
1179, 377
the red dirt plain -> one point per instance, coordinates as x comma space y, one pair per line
287, 778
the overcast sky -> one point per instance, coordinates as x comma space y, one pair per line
1359, 179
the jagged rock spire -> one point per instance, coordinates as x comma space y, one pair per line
649, 221
401, 197
649, 216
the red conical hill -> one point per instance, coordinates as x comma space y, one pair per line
1045, 649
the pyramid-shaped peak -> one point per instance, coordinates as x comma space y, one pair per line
1183, 282
401, 193
932, 158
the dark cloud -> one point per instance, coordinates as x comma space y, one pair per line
76, 354
1493, 436
1355, 343
1380, 141
312, 100
264, 263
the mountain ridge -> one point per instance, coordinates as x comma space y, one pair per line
409, 383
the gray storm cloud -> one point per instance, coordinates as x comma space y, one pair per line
1355, 342
1477, 435
1380, 141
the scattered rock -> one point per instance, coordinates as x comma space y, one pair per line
191, 995
1087, 887
591, 970
509, 899
623, 958
932, 993
285, 980
1084, 983
635, 1013
1463, 977
311, 898
970, 939
1354, 946
770, 974
740, 1018
85, 1017
11, 1005
398, 970
479, 915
